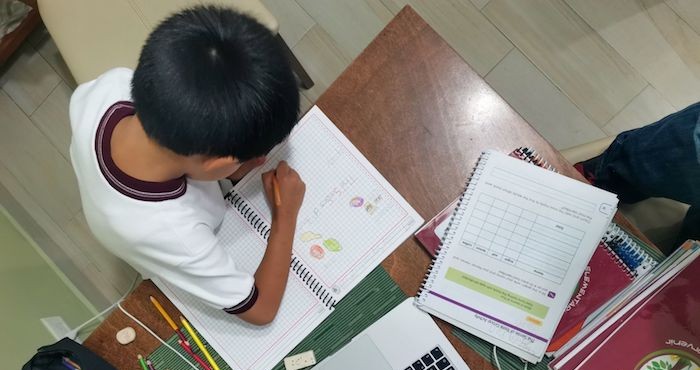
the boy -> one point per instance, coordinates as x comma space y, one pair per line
212, 93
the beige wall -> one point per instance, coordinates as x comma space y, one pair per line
31, 289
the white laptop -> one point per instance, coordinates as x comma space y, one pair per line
404, 339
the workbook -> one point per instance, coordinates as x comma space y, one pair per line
655, 326
350, 220
514, 250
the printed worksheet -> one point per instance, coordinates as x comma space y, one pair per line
514, 252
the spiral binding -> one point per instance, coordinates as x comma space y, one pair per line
296, 265
628, 250
618, 261
450, 231
529, 155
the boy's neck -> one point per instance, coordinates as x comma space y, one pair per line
140, 157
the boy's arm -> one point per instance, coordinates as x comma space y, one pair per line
271, 275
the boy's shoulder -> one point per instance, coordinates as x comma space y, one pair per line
91, 99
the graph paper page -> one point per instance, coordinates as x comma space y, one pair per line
240, 344
515, 250
351, 218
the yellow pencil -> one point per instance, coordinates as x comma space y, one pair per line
163, 313
199, 343
276, 190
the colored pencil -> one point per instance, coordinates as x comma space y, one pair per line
142, 362
71, 363
150, 365
163, 313
186, 346
199, 343
276, 190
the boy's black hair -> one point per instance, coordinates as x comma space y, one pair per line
214, 82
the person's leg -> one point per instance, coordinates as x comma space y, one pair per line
691, 226
658, 160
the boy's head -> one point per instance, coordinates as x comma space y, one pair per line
214, 85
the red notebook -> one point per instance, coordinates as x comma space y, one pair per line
661, 333
603, 278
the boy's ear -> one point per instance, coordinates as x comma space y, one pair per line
215, 163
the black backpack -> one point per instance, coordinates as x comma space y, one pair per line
51, 357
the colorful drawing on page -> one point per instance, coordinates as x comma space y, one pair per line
332, 245
357, 202
317, 252
308, 236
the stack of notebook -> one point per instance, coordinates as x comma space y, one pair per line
617, 261
653, 324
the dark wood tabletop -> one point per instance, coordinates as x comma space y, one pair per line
422, 117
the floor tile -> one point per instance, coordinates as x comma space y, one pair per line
28, 79
352, 24
48, 50
293, 19
544, 106
570, 53
321, 58
689, 10
651, 40
52, 118
466, 29
36, 163
647, 107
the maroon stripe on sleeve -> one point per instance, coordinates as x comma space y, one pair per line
245, 304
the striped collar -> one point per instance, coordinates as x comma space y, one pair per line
131, 187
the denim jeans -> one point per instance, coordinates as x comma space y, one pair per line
658, 160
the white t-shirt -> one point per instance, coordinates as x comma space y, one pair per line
165, 230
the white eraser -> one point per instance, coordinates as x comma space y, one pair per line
126, 335
300, 361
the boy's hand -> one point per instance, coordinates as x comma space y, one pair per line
246, 167
291, 190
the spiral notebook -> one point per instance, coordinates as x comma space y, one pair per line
518, 242
351, 219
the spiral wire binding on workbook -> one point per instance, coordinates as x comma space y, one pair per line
632, 255
450, 231
296, 265
529, 155
617, 259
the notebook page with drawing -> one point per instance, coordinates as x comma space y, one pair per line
513, 253
350, 220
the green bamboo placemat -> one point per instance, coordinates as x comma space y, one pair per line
507, 360
376, 295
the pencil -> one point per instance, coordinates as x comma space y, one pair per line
186, 347
150, 365
71, 363
276, 190
143, 363
199, 343
163, 313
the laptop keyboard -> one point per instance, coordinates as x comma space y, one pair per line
433, 360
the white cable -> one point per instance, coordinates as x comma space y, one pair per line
498, 365
155, 335
495, 359
73, 334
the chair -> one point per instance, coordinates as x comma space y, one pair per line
96, 35
659, 219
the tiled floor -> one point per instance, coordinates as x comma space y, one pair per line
577, 70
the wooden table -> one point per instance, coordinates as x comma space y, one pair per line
422, 116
